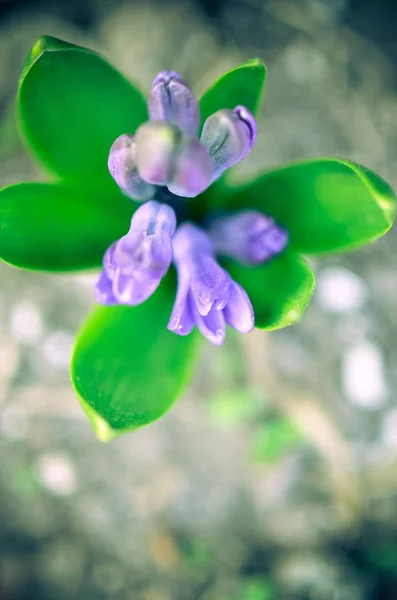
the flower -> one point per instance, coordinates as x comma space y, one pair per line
248, 236
207, 296
165, 150
164, 160
135, 264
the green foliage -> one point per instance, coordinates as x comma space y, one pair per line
244, 85
71, 106
279, 291
127, 368
59, 227
326, 204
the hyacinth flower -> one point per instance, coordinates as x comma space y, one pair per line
165, 160
183, 249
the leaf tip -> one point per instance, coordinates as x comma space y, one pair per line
103, 431
255, 63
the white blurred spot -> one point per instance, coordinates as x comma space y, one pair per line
363, 377
389, 429
57, 473
26, 323
340, 290
57, 348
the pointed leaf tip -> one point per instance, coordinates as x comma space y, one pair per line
242, 86
327, 205
71, 106
127, 368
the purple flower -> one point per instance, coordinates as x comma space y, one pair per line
166, 152
207, 296
165, 157
248, 236
134, 265
162, 163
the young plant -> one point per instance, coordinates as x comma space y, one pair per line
143, 185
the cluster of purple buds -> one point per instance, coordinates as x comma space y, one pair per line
163, 161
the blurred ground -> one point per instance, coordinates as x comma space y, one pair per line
275, 476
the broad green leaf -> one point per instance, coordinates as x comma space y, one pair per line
243, 85
127, 368
279, 290
325, 204
71, 106
57, 227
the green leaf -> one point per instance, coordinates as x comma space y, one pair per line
71, 106
280, 291
243, 85
57, 227
127, 368
325, 204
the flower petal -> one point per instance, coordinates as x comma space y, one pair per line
123, 169
156, 148
193, 170
212, 325
228, 135
181, 320
104, 290
138, 261
171, 100
209, 282
238, 312
248, 236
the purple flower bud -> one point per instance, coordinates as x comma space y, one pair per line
245, 116
249, 236
165, 157
207, 296
228, 135
193, 170
135, 264
171, 100
122, 167
156, 149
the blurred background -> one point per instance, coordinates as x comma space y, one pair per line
275, 477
